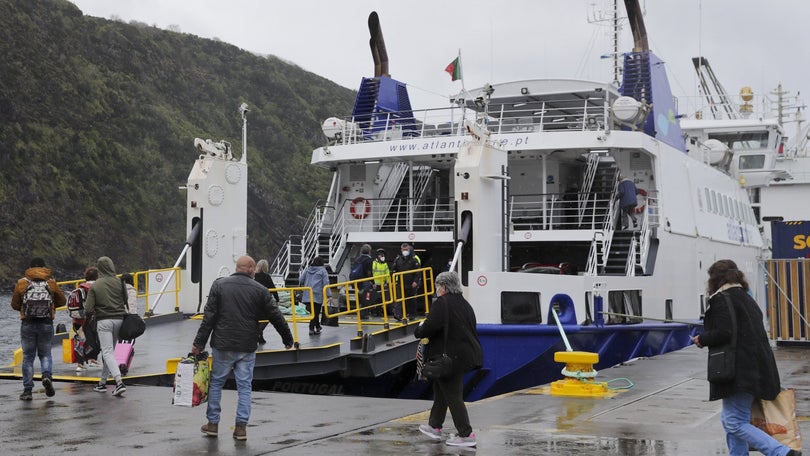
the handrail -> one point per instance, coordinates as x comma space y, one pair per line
529, 116
391, 295
137, 278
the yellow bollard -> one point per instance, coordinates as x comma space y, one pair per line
579, 376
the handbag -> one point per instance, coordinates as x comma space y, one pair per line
133, 325
721, 366
191, 381
439, 367
777, 418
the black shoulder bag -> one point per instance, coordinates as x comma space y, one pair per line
133, 325
721, 366
440, 367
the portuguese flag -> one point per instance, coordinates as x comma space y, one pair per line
454, 69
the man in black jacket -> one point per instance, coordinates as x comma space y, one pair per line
406, 261
232, 313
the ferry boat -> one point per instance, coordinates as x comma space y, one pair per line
516, 183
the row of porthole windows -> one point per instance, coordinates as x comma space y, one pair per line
723, 205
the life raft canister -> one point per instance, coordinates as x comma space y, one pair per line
640, 209
356, 210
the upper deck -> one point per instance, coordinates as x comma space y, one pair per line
515, 112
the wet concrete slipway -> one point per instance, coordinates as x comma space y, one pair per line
666, 412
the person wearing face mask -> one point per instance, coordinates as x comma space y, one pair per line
382, 276
407, 261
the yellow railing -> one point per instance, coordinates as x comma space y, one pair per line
159, 276
138, 277
392, 293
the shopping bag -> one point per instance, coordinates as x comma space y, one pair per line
778, 418
191, 381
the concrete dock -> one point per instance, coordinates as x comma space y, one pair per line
665, 412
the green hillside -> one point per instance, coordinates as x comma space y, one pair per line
97, 122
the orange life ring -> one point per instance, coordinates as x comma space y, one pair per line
360, 213
640, 209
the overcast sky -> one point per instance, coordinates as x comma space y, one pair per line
754, 43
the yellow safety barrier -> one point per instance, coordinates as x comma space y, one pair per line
392, 294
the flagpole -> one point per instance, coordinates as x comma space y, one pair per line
461, 72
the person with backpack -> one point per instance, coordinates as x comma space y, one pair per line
107, 299
35, 297
85, 340
362, 269
406, 261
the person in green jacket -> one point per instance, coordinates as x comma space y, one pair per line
107, 300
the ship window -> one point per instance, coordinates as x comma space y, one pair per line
624, 302
752, 161
709, 207
716, 200
357, 173
743, 140
726, 208
520, 307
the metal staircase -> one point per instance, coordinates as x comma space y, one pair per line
599, 186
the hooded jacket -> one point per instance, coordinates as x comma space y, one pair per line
231, 318
36, 273
315, 277
107, 297
755, 366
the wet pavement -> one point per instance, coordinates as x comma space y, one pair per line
665, 412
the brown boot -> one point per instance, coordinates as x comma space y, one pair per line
210, 429
240, 432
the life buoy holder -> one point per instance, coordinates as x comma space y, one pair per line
640, 209
356, 210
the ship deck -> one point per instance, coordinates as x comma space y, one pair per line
666, 412
336, 350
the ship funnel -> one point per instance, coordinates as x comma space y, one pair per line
377, 44
636, 20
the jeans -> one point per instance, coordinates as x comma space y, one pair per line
740, 433
242, 364
107, 336
449, 392
35, 339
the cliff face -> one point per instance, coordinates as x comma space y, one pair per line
97, 122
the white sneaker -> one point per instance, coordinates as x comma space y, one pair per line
93, 364
456, 440
433, 433
80, 369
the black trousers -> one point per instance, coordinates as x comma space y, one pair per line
448, 393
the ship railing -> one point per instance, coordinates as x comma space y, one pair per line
148, 285
527, 116
383, 295
557, 211
596, 252
298, 298
395, 214
649, 221
281, 263
697, 107
632, 254
393, 182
